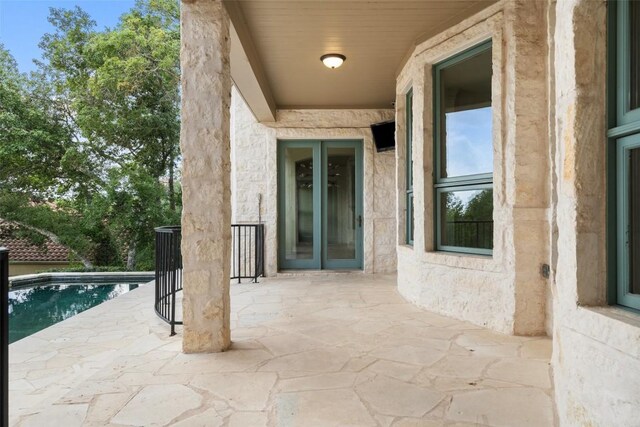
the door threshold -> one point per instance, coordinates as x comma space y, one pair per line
293, 273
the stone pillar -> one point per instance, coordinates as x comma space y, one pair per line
206, 180
527, 159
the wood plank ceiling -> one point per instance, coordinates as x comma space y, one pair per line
375, 36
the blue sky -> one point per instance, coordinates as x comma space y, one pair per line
23, 22
469, 142
469, 145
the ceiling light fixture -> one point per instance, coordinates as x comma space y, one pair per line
333, 60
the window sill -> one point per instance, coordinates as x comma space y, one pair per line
453, 250
610, 325
456, 260
463, 260
629, 316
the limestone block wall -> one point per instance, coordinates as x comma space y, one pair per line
506, 291
205, 147
254, 173
596, 351
549, 89
249, 156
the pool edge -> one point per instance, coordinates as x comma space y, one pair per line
105, 277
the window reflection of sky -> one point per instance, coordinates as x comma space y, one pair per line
469, 142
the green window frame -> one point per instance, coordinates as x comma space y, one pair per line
409, 168
455, 183
623, 136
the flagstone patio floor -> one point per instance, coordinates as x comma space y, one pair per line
322, 350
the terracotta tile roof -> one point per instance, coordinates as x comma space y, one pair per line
22, 250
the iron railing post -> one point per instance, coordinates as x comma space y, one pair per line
168, 274
239, 273
255, 254
175, 264
247, 262
247, 251
461, 233
261, 256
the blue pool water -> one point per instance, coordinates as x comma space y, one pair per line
35, 308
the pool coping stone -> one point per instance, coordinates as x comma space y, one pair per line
97, 277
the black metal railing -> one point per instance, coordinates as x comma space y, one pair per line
247, 262
4, 336
470, 234
247, 253
168, 274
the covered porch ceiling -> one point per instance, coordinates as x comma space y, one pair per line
276, 47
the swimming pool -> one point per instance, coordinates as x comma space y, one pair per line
34, 308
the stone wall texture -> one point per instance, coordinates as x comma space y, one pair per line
549, 139
254, 174
505, 292
206, 195
549, 100
596, 356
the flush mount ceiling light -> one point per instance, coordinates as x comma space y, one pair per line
333, 60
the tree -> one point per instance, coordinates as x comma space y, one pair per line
480, 207
121, 90
123, 84
454, 208
35, 146
144, 199
33, 138
469, 223
96, 128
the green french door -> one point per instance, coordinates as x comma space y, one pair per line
320, 204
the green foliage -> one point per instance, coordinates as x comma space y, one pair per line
468, 223
79, 268
477, 208
480, 206
68, 226
454, 207
89, 142
34, 237
144, 199
33, 139
127, 102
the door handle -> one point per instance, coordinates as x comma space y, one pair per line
360, 221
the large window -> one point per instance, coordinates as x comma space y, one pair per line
464, 152
409, 168
624, 152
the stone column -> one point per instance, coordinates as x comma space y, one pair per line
206, 180
527, 159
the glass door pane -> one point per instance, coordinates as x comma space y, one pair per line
634, 51
298, 195
299, 207
341, 203
320, 204
634, 222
